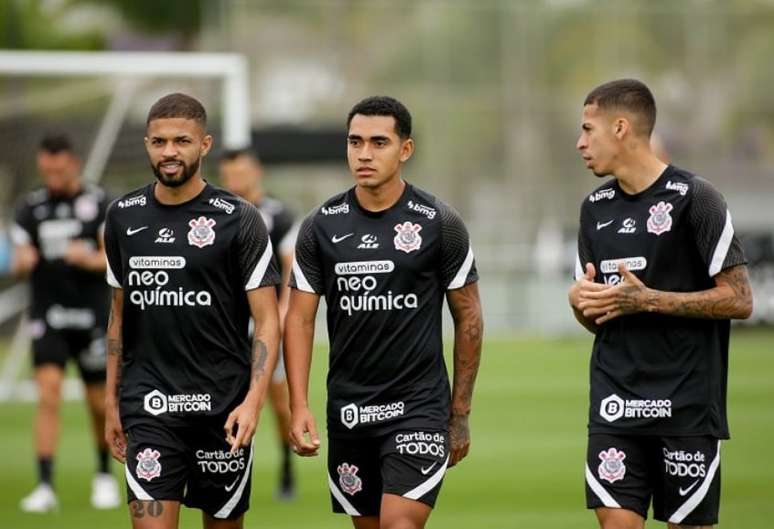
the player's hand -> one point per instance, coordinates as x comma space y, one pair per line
245, 419
459, 438
583, 285
79, 252
303, 433
24, 259
627, 297
114, 433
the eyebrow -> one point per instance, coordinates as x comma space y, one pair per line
372, 138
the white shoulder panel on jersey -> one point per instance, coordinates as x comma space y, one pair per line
462, 273
721, 249
260, 269
301, 281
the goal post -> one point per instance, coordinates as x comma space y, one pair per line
231, 68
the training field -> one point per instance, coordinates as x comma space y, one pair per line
525, 469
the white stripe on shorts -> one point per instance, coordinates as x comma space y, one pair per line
232, 502
348, 508
427, 486
138, 491
599, 490
699, 494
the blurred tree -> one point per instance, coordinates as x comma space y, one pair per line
34, 24
183, 17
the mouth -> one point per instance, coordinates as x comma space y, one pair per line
170, 168
365, 171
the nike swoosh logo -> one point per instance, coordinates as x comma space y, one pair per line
601, 225
336, 239
132, 231
683, 492
229, 487
426, 471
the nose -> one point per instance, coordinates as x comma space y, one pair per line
169, 150
365, 153
581, 143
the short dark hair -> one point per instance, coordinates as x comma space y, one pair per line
630, 95
384, 106
178, 106
229, 155
57, 143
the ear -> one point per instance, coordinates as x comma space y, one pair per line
206, 144
621, 127
406, 149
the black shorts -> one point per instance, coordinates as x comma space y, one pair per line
407, 463
680, 474
56, 346
192, 465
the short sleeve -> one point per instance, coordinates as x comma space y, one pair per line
306, 274
584, 254
458, 265
114, 270
23, 227
711, 222
256, 266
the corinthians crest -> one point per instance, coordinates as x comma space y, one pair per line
201, 233
148, 466
612, 467
349, 481
408, 238
660, 220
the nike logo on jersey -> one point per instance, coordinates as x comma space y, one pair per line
132, 231
601, 225
682, 492
229, 487
426, 471
336, 239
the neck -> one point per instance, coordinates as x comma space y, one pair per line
381, 197
177, 195
639, 173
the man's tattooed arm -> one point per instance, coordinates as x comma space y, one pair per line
730, 298
465, 307
260, 354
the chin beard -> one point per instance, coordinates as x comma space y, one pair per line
187, 174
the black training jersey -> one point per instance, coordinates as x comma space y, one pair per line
64, 296
384, 276
184, 270
653, 373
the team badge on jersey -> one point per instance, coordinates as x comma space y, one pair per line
349, 481
408, 238
612, 467
148, 466
660, 221
201, 233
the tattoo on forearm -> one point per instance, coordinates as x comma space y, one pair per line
714, 304
466, 310
260, 353
152, 508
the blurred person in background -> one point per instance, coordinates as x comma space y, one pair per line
660, 274
385, 254
57, 237
241, 172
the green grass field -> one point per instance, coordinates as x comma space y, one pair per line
525, 469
